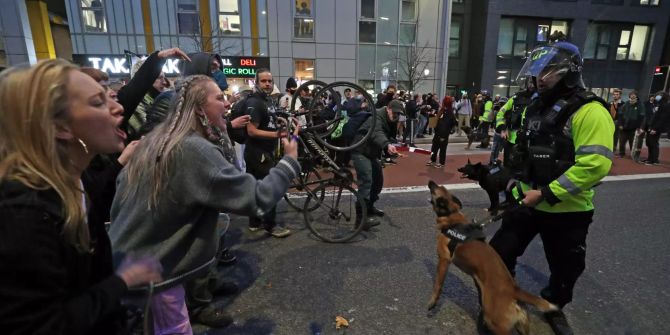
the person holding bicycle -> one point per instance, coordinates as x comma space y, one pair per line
367, 157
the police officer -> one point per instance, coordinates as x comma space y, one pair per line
485, 119
565, 147
508, 119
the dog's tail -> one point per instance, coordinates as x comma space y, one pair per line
539, 303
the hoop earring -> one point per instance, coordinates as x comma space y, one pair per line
83, 145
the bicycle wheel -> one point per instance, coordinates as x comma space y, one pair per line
334, 219
328, 125
304, 182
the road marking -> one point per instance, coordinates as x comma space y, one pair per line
468, 186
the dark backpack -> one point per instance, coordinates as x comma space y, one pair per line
354, 124
239, 109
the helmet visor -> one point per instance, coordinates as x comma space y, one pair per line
544, 62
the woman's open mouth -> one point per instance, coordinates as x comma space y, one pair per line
120, 133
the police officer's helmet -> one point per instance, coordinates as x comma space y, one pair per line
561, 59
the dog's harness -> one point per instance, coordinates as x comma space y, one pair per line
461, 233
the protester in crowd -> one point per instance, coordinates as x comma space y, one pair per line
171, 210
367, 158
411, 112
57, 275
656, 122
463, 113
139, 116
446, 120
615, 107
628, 121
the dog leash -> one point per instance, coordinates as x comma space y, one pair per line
515, 206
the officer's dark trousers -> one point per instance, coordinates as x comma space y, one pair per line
652, 145
564, 238
369, 177
259, 164
507, 150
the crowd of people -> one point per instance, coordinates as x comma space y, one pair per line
111, 199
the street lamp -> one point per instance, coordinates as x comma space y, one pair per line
426, 72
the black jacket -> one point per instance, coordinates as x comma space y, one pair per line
658, 118
142, 83
46, 286
379, 138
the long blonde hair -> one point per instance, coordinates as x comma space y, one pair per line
33, 102
157, 152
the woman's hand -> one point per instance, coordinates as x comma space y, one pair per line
139, 271
127, 153
290, 146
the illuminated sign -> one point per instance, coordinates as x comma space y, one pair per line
118, 66
244, 67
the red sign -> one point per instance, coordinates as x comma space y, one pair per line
247, 62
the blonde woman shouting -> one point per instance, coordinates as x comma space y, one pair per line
170, 194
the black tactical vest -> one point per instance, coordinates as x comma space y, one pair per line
545, 149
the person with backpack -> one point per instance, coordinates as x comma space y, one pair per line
446, 120
367, 158
558, 170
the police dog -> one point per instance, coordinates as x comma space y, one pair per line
493, 179
498, 290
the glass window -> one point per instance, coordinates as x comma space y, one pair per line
624, 44
387, 22
542, 33
649, 2
455, 37
366, 61
188, 18
93, 16
304, 69
3, 55
368, 9
408, 10
303, 23
638, 42
520, 43
229, 18
367, 32
559, 27
386, 63
603, 46
368, 86
505, 37
407, 33
303, 8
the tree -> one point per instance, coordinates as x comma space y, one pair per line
412, 64
203, 40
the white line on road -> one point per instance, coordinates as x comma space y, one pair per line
467, 186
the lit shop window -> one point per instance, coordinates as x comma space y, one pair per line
229, 17
303, 20
304, 69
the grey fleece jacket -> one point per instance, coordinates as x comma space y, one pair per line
182, 230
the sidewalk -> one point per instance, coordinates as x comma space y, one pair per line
412, 171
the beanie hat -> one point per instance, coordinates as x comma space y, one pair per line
291, 83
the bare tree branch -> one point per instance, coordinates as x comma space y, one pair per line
412, 63
211, 42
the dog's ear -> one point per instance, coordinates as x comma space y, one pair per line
457, 201
469, 161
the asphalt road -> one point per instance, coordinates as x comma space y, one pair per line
381, 282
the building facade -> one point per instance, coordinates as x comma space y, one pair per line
371, 42
622, 41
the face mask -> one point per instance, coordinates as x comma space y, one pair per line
658, 98
359, 97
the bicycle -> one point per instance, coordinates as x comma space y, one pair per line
331, 207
